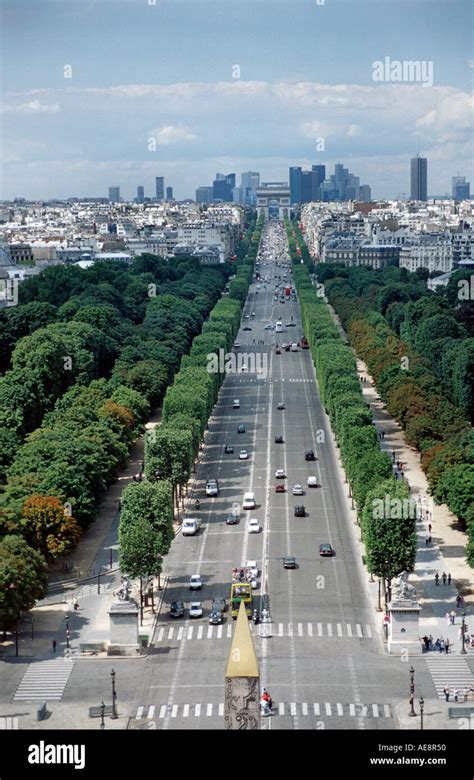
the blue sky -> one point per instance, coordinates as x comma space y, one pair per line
166, 71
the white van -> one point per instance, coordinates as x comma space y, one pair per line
191, 526
249, 501
294, 347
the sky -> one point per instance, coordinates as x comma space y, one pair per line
97, 93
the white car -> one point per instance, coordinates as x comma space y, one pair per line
280, 474
246, 317
236, 404
253, 526
236, 344
298, 490
312, 482
243, 455
195, 582
195, 609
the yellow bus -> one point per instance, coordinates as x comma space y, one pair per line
241, 591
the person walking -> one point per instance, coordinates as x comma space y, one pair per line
430, 642
447, 646
443, 577
429, 540
449, 578
455, 694
436, 578
453, 617
448, 618
446, 692
429, 528
54, 645
441, 645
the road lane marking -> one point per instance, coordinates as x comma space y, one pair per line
359, 630
219, 632
209, 631
375, 710
304, 708
162, 711
151, 712
340, 709
328, 708
186, 711
339, 629
329, 629
310, 629
369, 631
180, 633
320, 629
160, 634
200, 630
139, 713
197, 710
209, 710
349, 629
281, 708
190, 632
316, 709
300, 629
221, 710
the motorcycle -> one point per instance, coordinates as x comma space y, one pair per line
255, 616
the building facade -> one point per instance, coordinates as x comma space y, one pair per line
419, 178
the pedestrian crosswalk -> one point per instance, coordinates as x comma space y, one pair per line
293, 709
450, 671
44, 680
312, 630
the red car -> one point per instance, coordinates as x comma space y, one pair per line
279, 488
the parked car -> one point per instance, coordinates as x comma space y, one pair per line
280, 488
300, 511
312, 482
289, 562
195, 609
177, 609
326, 550
253, 526
309, 455
298, 490
279, 440
195, 582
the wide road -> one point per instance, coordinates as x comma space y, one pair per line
323, 662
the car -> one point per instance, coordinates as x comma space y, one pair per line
212, 487
177, 609
253, 314
246, 317
279, 440
247, 327
243, 455
241, 429
253, 526
195, 609
228, 450
278, 351
216, 618
280, 405
287, 347
231, 519
290, 325
280, 488
219, 604
312, 482
195, 582
236, 404
236, 344
280, 474
289, 562
309, 455
268, 327
326, 550
298, 490
300, 511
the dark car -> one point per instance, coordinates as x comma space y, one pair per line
300, 511
216, 618
228, 449
326, 549
247, 327
241, 429
219, 604
279, 440
280, 405
231, 519
177, 609
287, 347
278, 351
279, 488
289, 562
309, 455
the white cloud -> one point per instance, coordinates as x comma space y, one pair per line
32, 107
170, 134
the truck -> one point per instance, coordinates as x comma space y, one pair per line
191, 526
241, 590
288, 291
304, 343
212, 487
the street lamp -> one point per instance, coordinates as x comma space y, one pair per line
68, 633
388, 591
463, 650
379, 607
102, 713
159, 559
422, 707
114, 715
412, 712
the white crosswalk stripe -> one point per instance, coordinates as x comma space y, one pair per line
313, 630
451, 671
291, 709
45, 680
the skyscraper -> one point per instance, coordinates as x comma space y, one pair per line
160, 188
295, 184
204, 194
306, 186
169, 193
114, 194
222, 187
319, 174
249, 181
140, 194
419, 178
461, 188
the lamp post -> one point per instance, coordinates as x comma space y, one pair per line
463, 650
68, 633
379, 607
102, 713
412, 712
388, 590
114, 715
422, 707
159, 559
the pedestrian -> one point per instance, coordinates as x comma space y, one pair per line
429, 540
430, 639
142, 466
443, 577
54, 645
453, 617
441, 645
427, 643
455, 694
120, 504
447, 646
436, 578
458, 601
402, 474
398, 464
449, 579
393, 456
383, 434
437, 644
446, 692
429, 527
76, 606
448, 618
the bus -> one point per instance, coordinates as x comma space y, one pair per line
278, 326
241, 591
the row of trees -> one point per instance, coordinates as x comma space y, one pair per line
146, 523
386, 534
407, 373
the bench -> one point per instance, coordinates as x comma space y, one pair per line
461, 711
41, 711
96, 712
92, 647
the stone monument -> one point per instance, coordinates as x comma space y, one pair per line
242, 695
123, 615
404, 611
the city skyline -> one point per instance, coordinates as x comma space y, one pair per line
80, 114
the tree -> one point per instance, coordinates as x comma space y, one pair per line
48, 528
23, 578
152, 502
389, 530
140, 549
